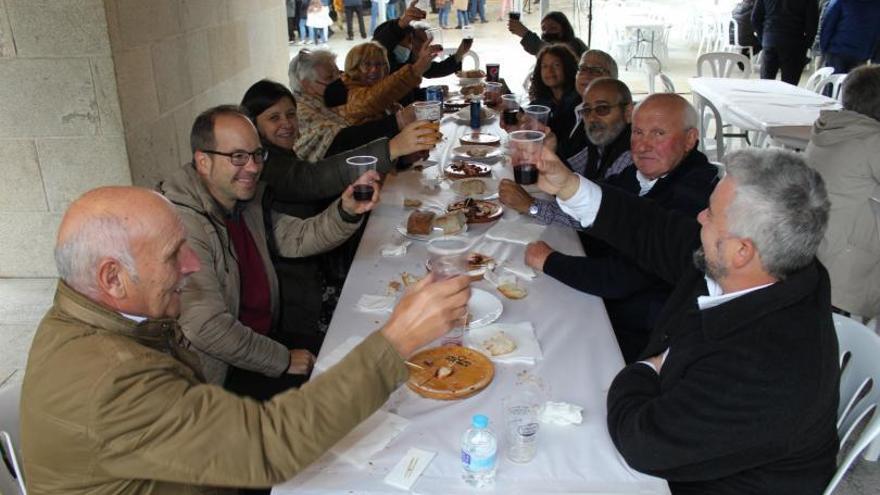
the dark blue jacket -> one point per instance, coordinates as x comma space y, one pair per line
851, 27
786, 23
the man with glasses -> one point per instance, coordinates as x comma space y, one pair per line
230, 307
668, 170
605, 113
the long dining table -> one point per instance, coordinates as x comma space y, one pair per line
580, 358
780, 110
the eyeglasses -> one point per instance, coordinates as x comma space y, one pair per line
601, 109
594, 70
241, 158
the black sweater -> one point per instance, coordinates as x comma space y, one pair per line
746, 401
634, 296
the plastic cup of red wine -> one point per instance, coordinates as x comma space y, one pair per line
510, 109
525, 150
363, 191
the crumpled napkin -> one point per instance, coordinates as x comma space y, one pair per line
376, 304
561, 413
395, 249
516, 231
369, 437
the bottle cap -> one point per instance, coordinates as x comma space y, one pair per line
480, 421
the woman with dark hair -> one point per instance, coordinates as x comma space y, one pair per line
555, 28
553, 85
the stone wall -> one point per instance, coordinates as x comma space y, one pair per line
175, 58
60, 126
96, 92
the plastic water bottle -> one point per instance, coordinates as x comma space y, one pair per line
478, 448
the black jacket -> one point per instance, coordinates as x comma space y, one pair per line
786, 23
634, 296
746, 401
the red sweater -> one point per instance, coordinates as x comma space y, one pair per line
255, 306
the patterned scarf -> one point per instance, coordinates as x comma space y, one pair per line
318, 126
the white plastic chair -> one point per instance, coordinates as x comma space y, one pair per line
859, 392
836, 83
11, 471
813, 82
703, 105
724, 64
470, 54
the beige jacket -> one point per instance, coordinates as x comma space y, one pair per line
845, 149
211, 298
109, 406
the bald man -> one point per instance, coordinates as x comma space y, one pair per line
111, 403
668, 170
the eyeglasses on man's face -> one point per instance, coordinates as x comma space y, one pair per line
602, 109
241, 158
593, 70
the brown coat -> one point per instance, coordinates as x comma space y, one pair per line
110, 406
366, 103
210, 300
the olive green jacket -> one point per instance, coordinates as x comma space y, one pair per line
111, 406
211, 297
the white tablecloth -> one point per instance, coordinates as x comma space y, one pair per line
581, 357
779, 109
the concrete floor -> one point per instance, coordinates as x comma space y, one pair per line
23, 302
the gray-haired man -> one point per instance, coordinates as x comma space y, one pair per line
738, 388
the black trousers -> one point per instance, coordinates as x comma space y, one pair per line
842, 63
354, 9
790, 60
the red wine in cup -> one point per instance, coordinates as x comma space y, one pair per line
511, 117
525, 174
364, 192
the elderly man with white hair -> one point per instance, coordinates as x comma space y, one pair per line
737, 390
113, 403
845, 149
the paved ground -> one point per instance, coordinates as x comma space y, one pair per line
24, 301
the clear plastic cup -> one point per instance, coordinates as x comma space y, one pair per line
363, 189
521, 410
510, 108
447, 257
428, 110
536, 114
525, 151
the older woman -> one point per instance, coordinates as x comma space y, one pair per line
323, 131
372, 91
553, 85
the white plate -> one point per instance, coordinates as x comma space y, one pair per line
490, 188
437, 232
483, 308
492, 152
486, 114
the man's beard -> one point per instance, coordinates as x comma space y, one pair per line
600, 134
714, 270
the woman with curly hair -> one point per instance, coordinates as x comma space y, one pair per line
553, 85
555, 28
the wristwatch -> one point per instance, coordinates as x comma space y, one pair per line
533, 209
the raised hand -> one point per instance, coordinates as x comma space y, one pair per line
416, 136
354, 207
426, 311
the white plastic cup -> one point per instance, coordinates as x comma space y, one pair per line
521, 411
428, 110
447, 257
